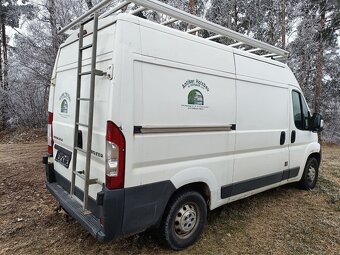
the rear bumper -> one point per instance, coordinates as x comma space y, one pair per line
109, 211
122, 211
74, 208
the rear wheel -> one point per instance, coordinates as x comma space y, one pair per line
184, 220
310, 174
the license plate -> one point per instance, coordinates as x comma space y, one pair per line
63, 156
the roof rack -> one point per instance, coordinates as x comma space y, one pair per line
248, 44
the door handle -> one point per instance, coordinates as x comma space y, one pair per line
293, 136
282, 138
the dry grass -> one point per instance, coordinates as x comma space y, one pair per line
285, 220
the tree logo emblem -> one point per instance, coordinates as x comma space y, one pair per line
195, 97
64, 100
64, 106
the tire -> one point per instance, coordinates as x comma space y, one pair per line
183, 220
310, 174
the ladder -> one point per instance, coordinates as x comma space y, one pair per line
240, 41
85, 174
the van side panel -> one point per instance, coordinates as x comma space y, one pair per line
263, 69
172, 94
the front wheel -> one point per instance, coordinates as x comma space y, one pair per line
184, 220
310, 174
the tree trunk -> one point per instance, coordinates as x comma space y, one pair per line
4, 55
56, 41
235, 16
3, 82
1, 59
89, 4
319, 65
283, 23
192, 10
53, 26
192, 7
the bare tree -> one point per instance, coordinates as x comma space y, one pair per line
192, 7
283, 23
319, 65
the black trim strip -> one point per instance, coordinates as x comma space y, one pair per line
258, 182
158, 130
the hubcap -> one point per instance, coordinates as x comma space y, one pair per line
186, 220
311, 174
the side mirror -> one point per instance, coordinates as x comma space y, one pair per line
316, 122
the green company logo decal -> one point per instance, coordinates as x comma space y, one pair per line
195, 97
64, 100
64, 106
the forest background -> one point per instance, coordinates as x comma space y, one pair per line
308, 29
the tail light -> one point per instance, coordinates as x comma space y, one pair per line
50, 133
115, 157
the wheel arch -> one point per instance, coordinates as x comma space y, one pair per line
316, 155
200, 187
201, 179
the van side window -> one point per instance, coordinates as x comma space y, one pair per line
300, 111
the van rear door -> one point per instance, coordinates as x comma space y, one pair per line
65, 102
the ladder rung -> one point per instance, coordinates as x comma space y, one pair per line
96, 72
83, 99
196, 29
82, 176
86, 47
172, 20
99, 72
79, 174
253, 50
140, 9
85, 73
269, 55
80, 149
235, 44
215, 37
81, 124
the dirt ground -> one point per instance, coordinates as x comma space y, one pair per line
285, 220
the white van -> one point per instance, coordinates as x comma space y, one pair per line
151, 127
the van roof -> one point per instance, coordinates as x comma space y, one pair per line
112, 19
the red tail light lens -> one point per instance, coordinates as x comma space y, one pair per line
115, 156
50, 133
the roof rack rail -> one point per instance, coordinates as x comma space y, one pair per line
196, 24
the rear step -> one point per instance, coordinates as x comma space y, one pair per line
85, 175
71, 206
